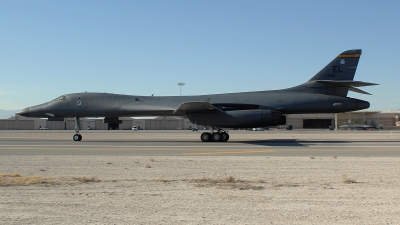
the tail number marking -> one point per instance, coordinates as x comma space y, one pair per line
336, 69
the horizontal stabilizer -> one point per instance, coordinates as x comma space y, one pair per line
358, 91
348, 84
345, 83
194, 107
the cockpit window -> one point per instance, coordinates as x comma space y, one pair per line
61, 98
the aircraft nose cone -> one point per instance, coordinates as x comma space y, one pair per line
24, 112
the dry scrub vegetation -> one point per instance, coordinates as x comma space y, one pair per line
16, 179
224, 183
347, 180
86, 179
232, 183
228, 182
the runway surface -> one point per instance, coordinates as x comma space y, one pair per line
187, 143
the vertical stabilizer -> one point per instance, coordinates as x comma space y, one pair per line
343, 67
336, 78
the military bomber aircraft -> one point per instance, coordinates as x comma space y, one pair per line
325, 92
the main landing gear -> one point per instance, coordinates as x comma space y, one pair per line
77, 136
218, 136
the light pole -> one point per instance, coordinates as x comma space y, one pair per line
180, 94
180, 85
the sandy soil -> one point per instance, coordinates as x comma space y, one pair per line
202, 190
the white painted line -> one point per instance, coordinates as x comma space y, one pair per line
207, 146
354, 146
21, 137
137, 146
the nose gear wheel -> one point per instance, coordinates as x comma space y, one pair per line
77, 136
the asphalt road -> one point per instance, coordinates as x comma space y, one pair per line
311, 143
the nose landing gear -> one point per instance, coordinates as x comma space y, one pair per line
77, 136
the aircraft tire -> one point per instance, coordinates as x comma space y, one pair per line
77, 137
205, 137
225, 137
217, 137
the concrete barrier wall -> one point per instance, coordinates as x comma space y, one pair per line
162, 124
100, 125
17, 125
126, 125
388, 120
55, 125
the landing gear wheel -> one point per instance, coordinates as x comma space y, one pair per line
205, 137
77, 137
225, 137
217, 137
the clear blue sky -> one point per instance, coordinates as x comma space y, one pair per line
50, 48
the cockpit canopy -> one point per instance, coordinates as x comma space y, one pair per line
61, 98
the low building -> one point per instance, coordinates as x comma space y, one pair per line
387, 119
125, 123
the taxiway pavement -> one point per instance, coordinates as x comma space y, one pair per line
384, 143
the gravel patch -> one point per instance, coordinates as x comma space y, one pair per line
202, 190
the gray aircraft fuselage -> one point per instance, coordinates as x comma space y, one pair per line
115, 105
325, 92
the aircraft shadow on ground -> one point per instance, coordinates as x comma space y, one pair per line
305, 143
290, 142
268, 142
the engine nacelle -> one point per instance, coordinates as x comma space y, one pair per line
239, 118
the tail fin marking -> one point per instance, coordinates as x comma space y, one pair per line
343, 67
336, 78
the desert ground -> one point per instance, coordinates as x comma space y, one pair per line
200, 189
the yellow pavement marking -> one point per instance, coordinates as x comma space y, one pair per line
226, 152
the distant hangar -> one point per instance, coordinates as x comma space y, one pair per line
386, 119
